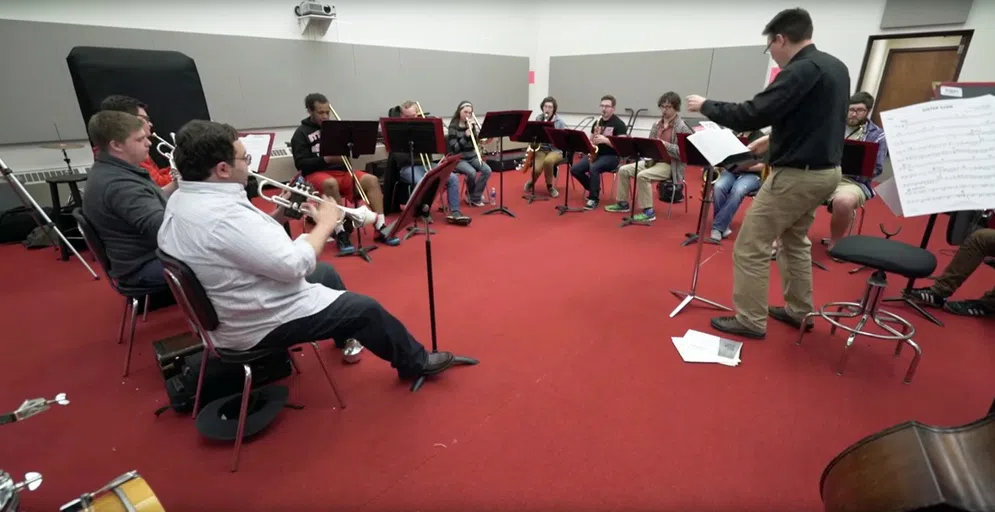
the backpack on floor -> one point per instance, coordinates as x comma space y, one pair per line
670, 192
220, 379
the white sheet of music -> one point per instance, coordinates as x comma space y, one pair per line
256, 145
943, 155
717, 145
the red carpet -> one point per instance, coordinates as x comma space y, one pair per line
580, 401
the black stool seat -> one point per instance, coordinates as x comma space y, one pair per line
887, 255
243, 356
66, 178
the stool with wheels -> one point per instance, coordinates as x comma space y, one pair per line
884, 256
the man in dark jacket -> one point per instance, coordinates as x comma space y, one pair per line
122, 202
328, 174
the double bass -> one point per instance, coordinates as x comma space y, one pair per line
915, 467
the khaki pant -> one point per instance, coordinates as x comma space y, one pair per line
659, 171
783, 208
545, 161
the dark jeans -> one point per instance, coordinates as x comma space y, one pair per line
970, 255
589, 175
352, 316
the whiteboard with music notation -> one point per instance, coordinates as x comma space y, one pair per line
943, 155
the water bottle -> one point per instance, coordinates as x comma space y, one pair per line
493, 195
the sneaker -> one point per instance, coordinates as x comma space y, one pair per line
553, 192
648, 215
926, 297
352, 351
975, 308
528, 187
382, 237
591, 204
727, 233
458, 218
620, 207
344, 242
716, 235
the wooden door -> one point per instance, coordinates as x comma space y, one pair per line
909, 74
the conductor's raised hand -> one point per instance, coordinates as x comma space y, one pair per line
695, 102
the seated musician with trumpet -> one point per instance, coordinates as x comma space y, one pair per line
666, 129
546, 157
731, 187
120, 103
268, 290
332, 175
411, 174
122, 203
605, 158
463, 139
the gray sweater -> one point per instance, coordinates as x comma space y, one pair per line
125, 208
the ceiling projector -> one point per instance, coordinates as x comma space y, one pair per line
314, 9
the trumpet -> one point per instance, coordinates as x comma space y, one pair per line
348, 166
300, 194
473, 138
166, 149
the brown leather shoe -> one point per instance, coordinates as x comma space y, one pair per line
780, 313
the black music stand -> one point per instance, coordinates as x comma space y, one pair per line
501, 125
570, 141
416, 135
637, 148
692, 157
351, 139
691, 154
534, 134
42, 220
420, 207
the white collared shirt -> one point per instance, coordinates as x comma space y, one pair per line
251, 270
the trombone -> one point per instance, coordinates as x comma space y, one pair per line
426, 162
348, 166
473, 137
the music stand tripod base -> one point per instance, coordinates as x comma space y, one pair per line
457, 361
688, 297
916, 307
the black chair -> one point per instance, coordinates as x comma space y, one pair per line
131, 294
884, 256
197, 307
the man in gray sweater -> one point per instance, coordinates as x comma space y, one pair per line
122, 202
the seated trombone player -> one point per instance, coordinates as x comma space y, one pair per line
413, 172
463, 139
547, 157
329, 176
268, 290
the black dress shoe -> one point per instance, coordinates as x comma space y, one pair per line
780, 313
729, 324
437, 362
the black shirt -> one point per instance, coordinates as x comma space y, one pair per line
805, 106
613, 127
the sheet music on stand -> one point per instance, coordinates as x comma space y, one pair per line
720, 147
258, 145
943, 155
700, 347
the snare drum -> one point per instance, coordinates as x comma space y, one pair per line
126, 493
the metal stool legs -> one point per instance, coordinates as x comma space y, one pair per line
868, 310
328, 375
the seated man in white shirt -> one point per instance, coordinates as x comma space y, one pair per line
269, 290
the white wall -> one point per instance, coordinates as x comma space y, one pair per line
883, 47
443, 25
841, 28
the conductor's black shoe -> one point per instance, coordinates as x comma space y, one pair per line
780, 313
729, 324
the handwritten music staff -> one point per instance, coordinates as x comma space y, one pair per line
943, 155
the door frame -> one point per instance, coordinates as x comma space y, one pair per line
965, 41
925, 49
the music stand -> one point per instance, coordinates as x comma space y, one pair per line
637, 148
691, 156
534, 133
38, 214
570, 141
419, 206
414, 135
351, 139
501, 125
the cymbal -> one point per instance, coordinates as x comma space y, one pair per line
62, 145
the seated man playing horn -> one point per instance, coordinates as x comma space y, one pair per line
666, 129
127, 104
268, 290
329, 176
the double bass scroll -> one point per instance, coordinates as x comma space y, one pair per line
915, 467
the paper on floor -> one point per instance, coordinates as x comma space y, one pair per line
699, 347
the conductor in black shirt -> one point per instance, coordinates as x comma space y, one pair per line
806, 108
588, 174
